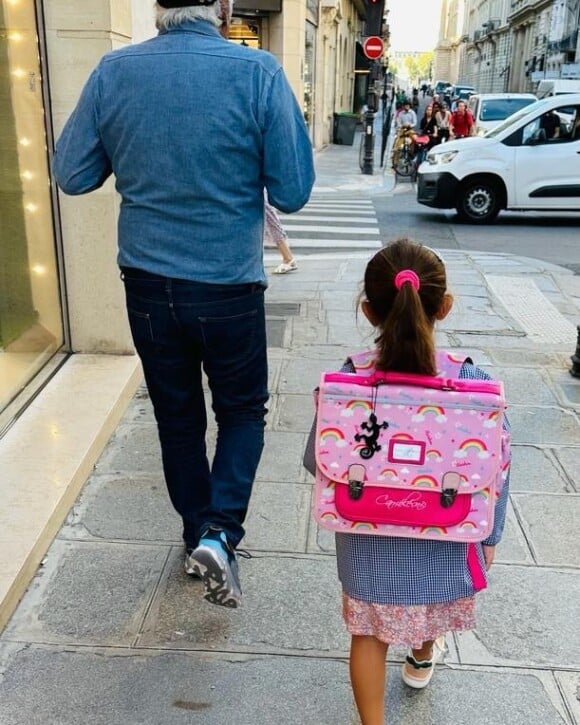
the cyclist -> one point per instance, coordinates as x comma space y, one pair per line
406, 118
462, 124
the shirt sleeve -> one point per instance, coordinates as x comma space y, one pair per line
80, 161
288, 168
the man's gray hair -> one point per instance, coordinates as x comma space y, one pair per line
174, 17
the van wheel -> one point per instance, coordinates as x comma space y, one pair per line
479, 202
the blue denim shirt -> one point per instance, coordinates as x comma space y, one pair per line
193, 127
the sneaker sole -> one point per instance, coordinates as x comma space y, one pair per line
218, 589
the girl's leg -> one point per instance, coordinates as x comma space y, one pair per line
284, 250
367, 675
426, 651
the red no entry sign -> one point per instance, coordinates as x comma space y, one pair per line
373, 47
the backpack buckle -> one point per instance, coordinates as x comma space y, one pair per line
448, 497
355, 489
356, 480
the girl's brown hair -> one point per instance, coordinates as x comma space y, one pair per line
405, 316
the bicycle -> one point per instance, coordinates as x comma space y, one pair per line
404, 153
410, 154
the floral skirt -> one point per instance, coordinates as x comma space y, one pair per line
407, 625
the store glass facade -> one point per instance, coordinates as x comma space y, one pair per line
31, 318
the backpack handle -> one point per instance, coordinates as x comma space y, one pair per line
436, 383
460, 385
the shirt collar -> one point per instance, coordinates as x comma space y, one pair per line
202, 27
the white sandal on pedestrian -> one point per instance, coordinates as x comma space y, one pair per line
285, 267
418, 683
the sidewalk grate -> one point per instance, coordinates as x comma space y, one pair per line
282, 309
276, 320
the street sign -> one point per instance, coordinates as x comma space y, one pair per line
373, 47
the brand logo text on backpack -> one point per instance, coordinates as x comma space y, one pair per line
411, 501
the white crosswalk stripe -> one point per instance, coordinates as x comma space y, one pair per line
342, 222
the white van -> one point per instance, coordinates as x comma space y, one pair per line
557, 87
490, 109
531, 161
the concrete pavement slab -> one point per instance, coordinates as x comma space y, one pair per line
570, 460
548, 426
291, 604
278, 517
320, 541
513, 547
527, 617
537, 469
295, 413
133, 448
569, 684
123, 507
551, 526
89, 592
282, 457
525, 386
149, 688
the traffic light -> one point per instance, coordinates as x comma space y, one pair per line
374, 17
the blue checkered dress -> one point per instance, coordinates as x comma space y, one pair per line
391, 570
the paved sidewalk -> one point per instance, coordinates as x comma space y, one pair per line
112, 632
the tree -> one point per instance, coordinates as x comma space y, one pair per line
425, 65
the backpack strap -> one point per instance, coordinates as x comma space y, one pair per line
364, 362
449, 364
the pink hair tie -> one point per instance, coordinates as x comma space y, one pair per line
407, 275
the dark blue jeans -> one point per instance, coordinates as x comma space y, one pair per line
179, 326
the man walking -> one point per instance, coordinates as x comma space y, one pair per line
194, 128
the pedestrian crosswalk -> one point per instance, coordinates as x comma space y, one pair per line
345, 221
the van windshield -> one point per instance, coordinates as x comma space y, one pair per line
538, 106
499, 108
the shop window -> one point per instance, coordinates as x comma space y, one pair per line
31, 328
246, 32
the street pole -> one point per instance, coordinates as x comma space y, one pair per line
369, 122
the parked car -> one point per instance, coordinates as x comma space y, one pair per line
460, 92
440, 86
489, 109
530, 162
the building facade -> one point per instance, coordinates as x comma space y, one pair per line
511, 45
447, 55
530, 22
486, 45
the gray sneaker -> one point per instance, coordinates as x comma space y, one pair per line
188, 565
214, 561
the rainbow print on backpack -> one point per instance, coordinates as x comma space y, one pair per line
409, 455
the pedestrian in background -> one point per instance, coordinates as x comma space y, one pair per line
275, 234
191, 173
461, 122
403, 591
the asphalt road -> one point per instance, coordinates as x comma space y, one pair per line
551, 237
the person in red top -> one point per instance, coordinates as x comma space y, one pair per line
462, 121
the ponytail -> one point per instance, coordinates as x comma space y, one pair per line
405, 284
406, 341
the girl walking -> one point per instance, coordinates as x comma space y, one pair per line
402, 591
274, 233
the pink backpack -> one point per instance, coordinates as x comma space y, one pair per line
409, 455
